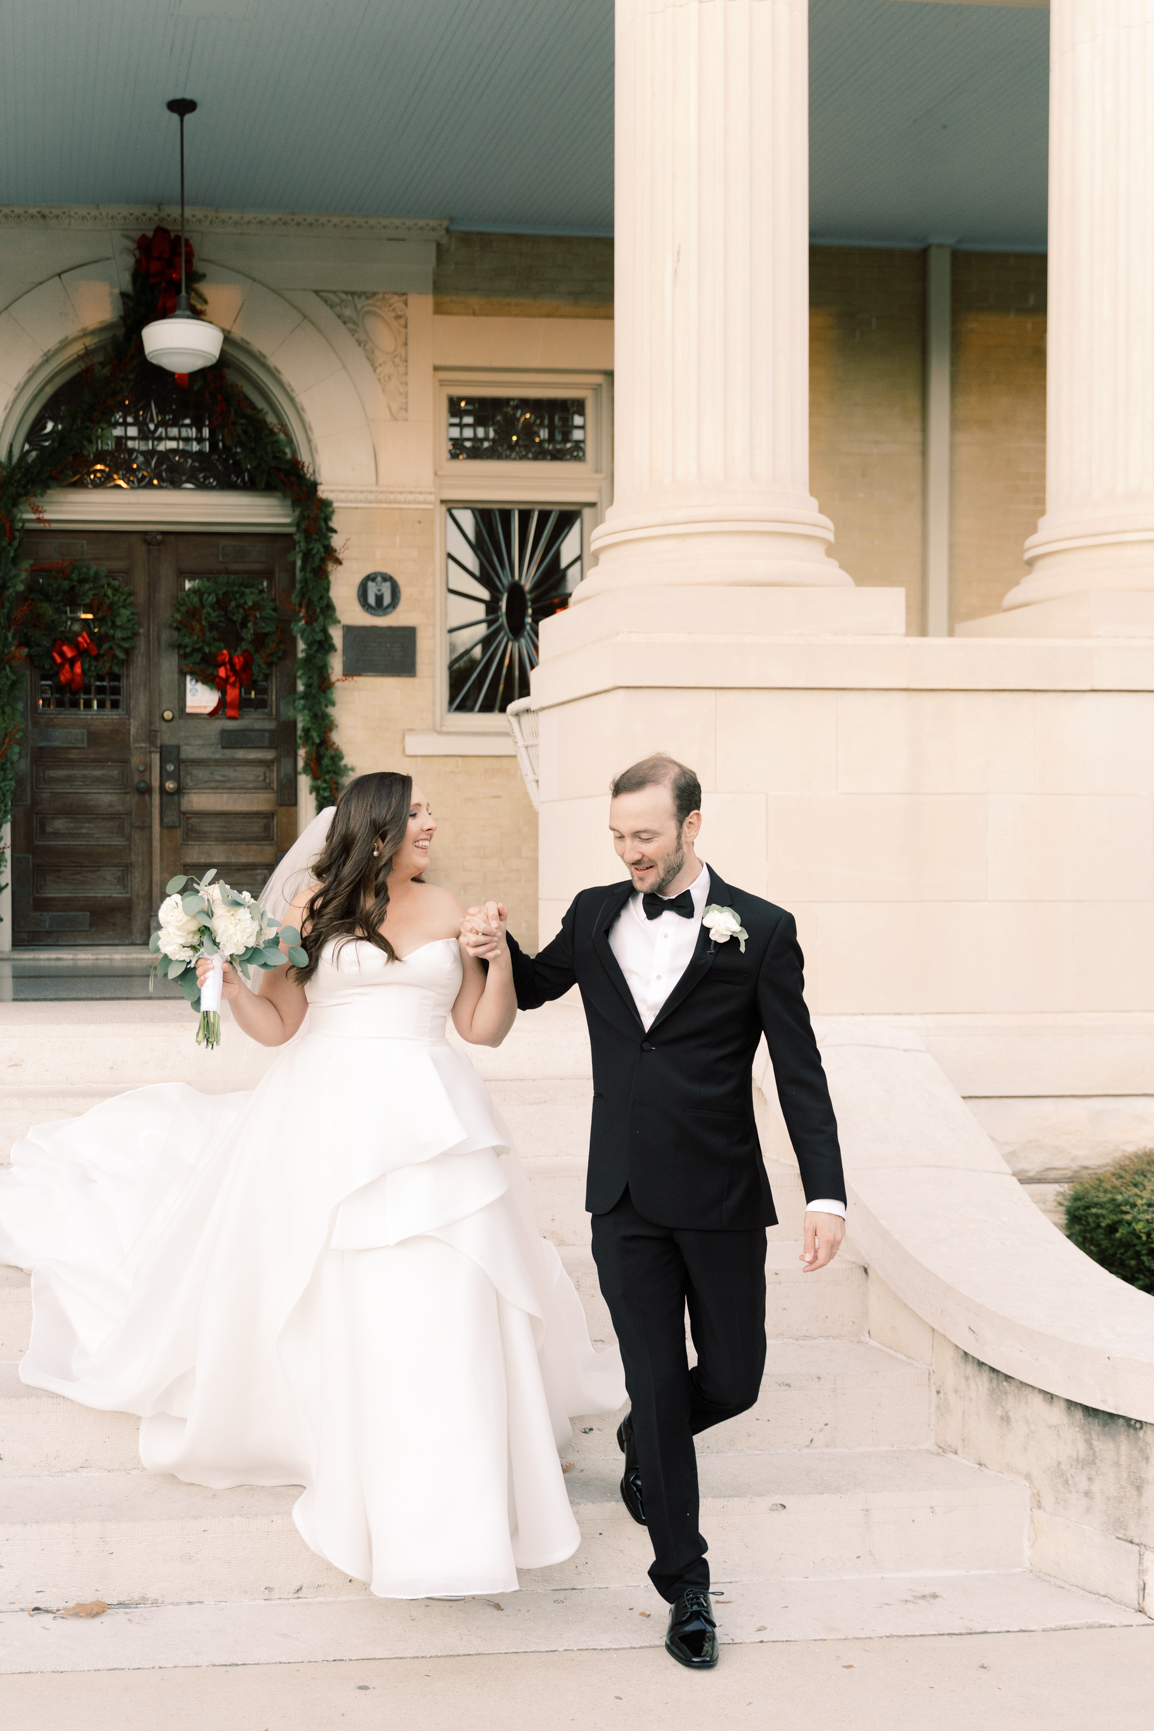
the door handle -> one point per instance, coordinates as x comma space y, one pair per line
142, 787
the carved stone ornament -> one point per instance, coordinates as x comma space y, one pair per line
380, 325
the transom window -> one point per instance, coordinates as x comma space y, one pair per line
517, 429
161, 435
508, 567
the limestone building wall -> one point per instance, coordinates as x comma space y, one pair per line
357, 332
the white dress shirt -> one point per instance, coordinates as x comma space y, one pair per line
653, 955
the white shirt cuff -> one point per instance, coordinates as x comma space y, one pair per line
825, 1207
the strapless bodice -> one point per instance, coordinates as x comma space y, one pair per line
357, 993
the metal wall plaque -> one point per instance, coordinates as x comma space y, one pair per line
383, 651
378, 594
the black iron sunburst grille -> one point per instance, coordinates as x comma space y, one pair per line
509, 567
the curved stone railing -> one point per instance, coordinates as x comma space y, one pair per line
936, 1210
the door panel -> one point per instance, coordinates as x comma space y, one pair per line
92, 852
82, 865
229, 808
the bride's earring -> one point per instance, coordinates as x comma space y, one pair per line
377, 850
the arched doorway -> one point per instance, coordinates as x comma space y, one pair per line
129, 780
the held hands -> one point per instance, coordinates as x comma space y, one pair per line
232, 980
823, 1236
483, 932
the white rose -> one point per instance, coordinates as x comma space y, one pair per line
723, 924
179, 932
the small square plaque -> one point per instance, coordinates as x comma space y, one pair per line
381, 651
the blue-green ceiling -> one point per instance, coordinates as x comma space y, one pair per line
928, 120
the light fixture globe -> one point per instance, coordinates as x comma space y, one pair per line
182, 343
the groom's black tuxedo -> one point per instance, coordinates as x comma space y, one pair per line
677, 1188
673, 1107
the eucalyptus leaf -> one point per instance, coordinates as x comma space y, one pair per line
176, 966
289, 935
192, 904
154, 942
190, 987
271, 958
208, 877
162, 967
174, 885
207, 946
298, 957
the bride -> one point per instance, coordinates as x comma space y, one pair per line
335, 1280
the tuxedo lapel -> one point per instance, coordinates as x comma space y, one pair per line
702, 959
602, 926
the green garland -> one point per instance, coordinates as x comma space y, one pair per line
266, 453
48, 614
214, 610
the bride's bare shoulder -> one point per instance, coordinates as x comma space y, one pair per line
444, 904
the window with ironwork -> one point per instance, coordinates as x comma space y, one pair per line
160, 435
517, 429
508, 567
95, 695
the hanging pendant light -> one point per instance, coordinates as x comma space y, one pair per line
183, 343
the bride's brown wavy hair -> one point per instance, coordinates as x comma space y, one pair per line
352, 893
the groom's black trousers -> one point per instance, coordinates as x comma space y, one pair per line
649, 1274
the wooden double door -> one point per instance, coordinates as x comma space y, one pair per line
129, 781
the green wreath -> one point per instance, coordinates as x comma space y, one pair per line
229, 616
76, 621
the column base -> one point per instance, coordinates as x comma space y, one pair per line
1093, 613
729, 545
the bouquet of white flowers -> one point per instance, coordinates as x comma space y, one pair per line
200, 917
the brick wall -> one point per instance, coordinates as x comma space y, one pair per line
866, 387
998, 467
486, 845
866, 417
524, 276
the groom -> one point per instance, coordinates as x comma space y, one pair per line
680, 975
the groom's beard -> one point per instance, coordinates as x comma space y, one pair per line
672, 866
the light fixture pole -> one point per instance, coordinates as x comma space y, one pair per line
182, 343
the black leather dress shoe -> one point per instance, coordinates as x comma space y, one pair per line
631, 1483
691, 1637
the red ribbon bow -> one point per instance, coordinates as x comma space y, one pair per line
232, 672
67, 658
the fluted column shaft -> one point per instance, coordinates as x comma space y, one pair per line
711, 474
1098, 530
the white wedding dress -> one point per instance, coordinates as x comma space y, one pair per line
334, 1281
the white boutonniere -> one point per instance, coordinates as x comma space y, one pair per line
723, 924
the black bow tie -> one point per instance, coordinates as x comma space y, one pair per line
655, 905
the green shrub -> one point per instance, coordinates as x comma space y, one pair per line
1110, 1216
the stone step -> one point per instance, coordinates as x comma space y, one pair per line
536, 1620
815, 1394
828, 1305
135, 1537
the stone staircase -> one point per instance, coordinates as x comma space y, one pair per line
828, 1509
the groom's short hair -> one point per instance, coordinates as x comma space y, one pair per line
661, 770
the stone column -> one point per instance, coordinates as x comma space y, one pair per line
711, 479
1092, 559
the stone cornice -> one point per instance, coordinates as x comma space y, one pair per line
205, 218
